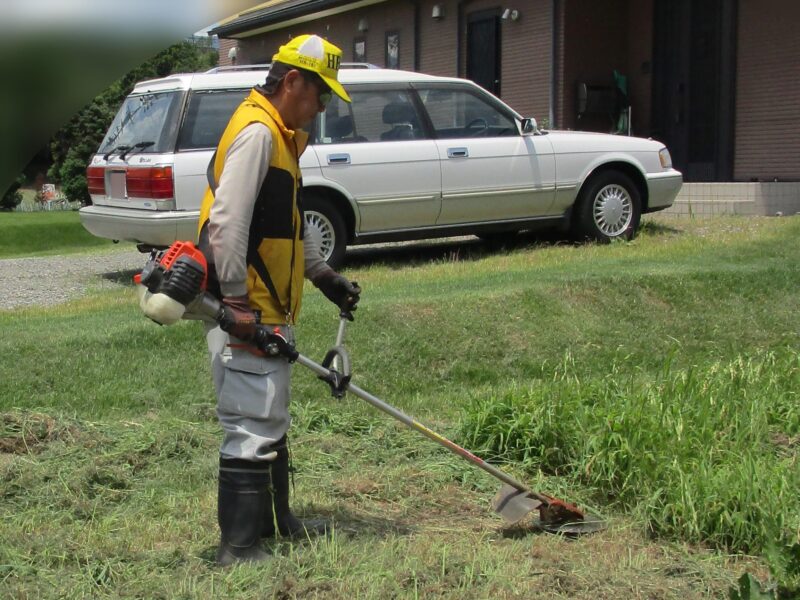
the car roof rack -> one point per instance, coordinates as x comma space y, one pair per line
235, 68
266, 66
358, 65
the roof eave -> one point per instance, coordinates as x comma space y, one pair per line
274, 15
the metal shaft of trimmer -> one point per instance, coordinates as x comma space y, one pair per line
340, 333
404, 418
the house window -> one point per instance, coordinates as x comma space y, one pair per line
392, 50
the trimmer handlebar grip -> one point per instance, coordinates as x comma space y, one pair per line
226, 319
274, 344
271, 343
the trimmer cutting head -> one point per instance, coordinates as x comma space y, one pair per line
555, 516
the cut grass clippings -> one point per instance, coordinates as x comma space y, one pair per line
653, 381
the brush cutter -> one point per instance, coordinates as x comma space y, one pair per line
172, 287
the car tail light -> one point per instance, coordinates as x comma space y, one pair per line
96, 180
150, 182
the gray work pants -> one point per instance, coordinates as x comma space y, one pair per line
252, 396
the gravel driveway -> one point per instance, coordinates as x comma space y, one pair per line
49, 280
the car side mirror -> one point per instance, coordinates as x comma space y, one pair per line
528, 126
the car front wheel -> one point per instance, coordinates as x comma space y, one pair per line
327, 228
609, 207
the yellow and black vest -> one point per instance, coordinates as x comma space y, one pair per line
275, 262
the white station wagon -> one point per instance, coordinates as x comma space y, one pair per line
414, 156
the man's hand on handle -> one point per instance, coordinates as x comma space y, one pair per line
239, 320
341, 291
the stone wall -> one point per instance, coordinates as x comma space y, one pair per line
760, 198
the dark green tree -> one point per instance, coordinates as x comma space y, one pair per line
73, 145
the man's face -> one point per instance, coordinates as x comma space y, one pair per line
309, 95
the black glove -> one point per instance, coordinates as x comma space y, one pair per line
239, 320
343, 293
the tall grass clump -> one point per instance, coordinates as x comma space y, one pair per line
707, 455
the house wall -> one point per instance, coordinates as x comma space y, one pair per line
438, 39
342, 30
525, 50
593, 37
431, 45
224, 48
767, 144
381, 18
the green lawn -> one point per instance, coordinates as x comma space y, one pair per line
45, 233
653, 381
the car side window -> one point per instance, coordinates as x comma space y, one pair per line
207, 115
336, 125
460, 113
373, 116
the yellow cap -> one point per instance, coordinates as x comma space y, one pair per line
314, 54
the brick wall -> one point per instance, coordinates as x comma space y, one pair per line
342, 30
767, 140
527, 50
438, 39
525, 47
593, 38
225, 47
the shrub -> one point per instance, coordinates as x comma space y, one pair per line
13, 197
73, 145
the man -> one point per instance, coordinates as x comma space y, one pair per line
252, 233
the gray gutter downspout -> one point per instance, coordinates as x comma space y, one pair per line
554, 22
416, 35
459, 38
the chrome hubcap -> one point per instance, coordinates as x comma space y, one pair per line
613, 210
321, 230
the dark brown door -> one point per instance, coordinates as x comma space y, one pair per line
693, 92
483, 50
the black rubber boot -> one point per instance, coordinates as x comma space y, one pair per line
240, 509
278, 517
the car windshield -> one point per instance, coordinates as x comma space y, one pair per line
148, 117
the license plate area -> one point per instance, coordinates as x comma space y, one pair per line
116, 184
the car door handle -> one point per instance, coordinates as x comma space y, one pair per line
338, 159
457, 153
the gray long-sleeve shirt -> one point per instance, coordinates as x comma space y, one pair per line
246, 166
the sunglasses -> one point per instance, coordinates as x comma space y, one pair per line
325, 97
324, 91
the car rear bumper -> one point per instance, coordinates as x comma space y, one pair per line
662, 188
154, 228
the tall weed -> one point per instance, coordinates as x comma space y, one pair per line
700, 454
